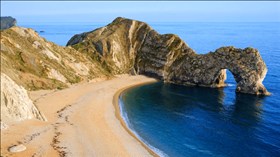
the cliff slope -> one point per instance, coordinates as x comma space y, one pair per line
132, 46
35, 63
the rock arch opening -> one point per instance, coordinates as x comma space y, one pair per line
230, 80
225, 78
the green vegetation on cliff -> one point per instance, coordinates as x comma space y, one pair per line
35, 63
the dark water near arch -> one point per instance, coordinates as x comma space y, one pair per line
196, 121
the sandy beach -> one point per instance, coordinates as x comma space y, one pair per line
82, 120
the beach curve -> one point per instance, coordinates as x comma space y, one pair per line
124, 123
81, 121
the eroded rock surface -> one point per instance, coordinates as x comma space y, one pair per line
246, 65
132, 46
15, 102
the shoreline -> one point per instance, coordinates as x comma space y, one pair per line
120, 118
82, 120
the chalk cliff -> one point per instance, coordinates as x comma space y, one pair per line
132, 46
15, 102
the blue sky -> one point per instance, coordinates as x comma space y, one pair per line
201, 11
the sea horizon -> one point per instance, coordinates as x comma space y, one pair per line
187, 31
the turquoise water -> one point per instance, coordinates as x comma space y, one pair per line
196, 121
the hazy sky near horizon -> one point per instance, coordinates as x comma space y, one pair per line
180, 11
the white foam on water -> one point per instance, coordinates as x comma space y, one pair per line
230, 85
206, 152
128, 124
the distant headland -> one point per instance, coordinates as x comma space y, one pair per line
7, 22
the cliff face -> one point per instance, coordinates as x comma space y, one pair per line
132, 46
29, 62
35, 63
7, 22
115, 45
15, 103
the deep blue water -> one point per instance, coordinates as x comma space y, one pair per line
197, 121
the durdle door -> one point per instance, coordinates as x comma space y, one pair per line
126, 46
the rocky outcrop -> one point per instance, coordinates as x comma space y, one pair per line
7, 22
17, 148
35, 63
132, 46
114, 45
15, 102
246, 65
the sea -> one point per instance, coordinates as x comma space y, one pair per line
182, 121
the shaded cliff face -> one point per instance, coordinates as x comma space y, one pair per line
7, 22
132, 46
35, 63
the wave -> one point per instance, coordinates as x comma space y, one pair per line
126, 120
206, 152
230, 85
184, 115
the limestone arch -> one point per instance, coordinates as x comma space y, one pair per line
246, 65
